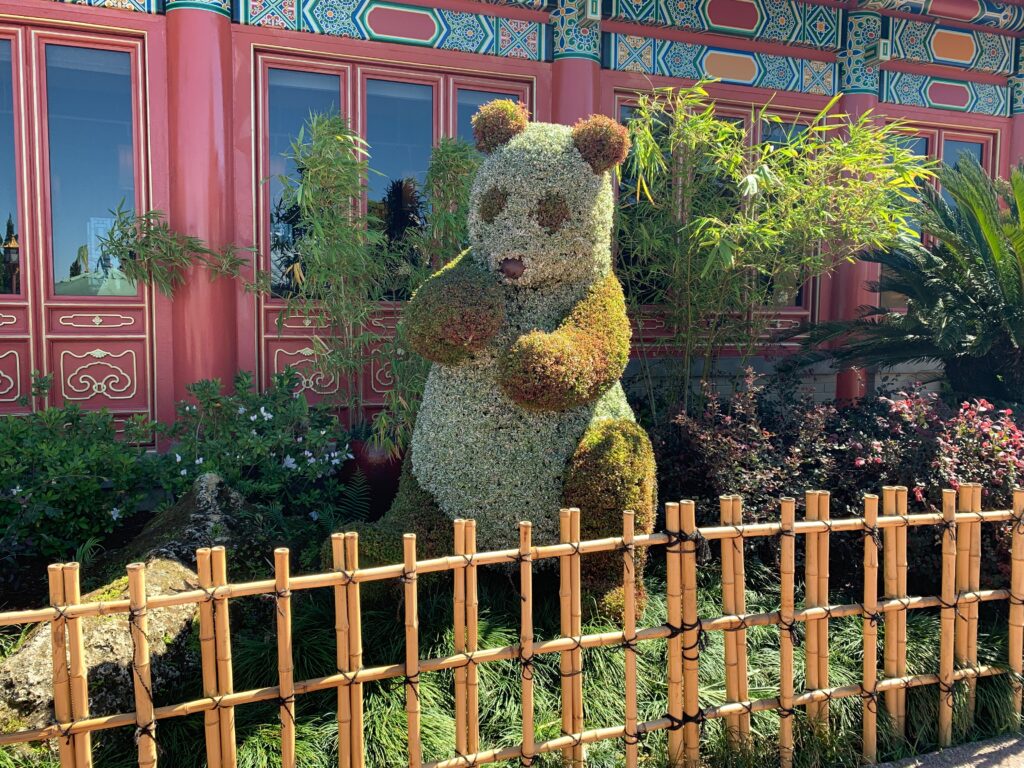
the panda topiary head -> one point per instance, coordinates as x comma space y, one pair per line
541, 207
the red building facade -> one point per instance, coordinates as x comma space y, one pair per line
187, 106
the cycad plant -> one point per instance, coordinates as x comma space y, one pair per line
963, 289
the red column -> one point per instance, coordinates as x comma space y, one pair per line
199, 118
1016, 142
574, 89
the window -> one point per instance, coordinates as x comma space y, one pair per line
92, 164
778, 132
10, 256
469, 101
953, 150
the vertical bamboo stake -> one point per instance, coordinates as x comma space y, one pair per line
629, 636
208, 658
526, 751
285, 664
811, 581
225, 674
787, 573
870, 678
824, 500
891, 629
565, 628
673, 590
732, 687
963, 567
472, 677
355, 648
59, 649
145, 722
974, 584
579, 751
412, 651
739, 563
1016, 640
341, 659
947, 617
691, 636
901, 616
461, 718
78, 668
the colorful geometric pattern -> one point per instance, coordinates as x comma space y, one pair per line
863, 30
782, 21
223, 7
1016, 83
924, 91
986, 13
142, 6
933, 43
575, 36
673, 58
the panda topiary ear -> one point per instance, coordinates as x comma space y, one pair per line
603, 142
496, 122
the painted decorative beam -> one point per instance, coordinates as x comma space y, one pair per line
986, 13
142, 6
928, 43
925, 91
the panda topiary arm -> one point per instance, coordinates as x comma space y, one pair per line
576, 363
455, 312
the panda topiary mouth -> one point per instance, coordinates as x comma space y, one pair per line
512, 269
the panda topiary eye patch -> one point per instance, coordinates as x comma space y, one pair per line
552, 212
492, 203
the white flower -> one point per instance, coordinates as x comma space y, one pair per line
267, 415
177, 458
184, 472
253, 417
115, 514
298, 439
288, 463
314, 516
199, 460
15, 490
241, 410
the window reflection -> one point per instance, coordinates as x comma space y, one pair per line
10, 252
92, 164
779, 133
292, 98
954, 150
469, 102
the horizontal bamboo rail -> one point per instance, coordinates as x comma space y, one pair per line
684, 630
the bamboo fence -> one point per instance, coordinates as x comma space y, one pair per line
884, 546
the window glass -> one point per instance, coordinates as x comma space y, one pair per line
10, 255
92, 164
469, 102
955, 149
775, 132
291, 98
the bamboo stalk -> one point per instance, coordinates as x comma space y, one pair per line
787, 573
225, 673
739, 563
674, 594
145, 722
208, 659
285, 663
355, 653
974, 584
565, 629
947, 617
691, 637
472, 609
811, 581
526, 754
963, 567
891, 629
824, 514
1016, 638
732, 689
341, 658
78, 668
870, 675
461, 714
629, 632
579, 751
59, 654
901, 616
412, 651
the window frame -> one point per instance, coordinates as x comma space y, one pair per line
22, 182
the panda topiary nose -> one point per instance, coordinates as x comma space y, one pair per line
512, 268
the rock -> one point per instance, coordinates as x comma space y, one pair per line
26, 699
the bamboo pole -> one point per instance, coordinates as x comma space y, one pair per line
355, 653
901, 616
59, 654
225, 674
963, 566
412, 651
824, 514
78, 668
739, 563
341, 658
811, 581
138, 621
891, 629
732, 687
526, 754
974, 584
208, 658
629, 637
472, 609
787, 573
579, 751
285, 663
947, 627
673, 589
691, 637
461, 714
565, 628
1016, 638
870, 676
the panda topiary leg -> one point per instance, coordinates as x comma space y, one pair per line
611, 471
